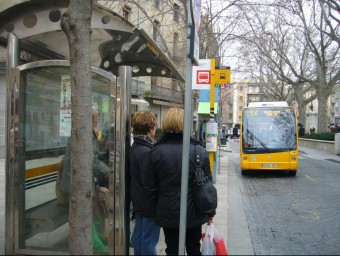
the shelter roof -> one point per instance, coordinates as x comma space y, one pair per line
114, 41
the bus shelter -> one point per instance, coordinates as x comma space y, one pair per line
38, 118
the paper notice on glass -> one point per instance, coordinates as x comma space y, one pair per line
212, 128
211, 144
211, 140
65, 106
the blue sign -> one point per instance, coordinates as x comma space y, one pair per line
205, 95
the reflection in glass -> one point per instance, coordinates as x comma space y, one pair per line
45, 129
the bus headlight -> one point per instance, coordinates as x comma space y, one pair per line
245, 158
294, 158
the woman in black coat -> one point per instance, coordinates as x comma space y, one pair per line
165, 168
146, 232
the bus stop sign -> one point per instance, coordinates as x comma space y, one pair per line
222, 75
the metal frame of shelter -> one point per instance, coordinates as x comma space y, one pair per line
119, 51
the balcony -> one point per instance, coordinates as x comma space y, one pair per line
163, 93
229, 121
137, 87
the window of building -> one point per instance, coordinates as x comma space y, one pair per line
126, 12
241, 87
176, 12
174, 84
156, 4
241, 98
156, 26
252, 98
175, 47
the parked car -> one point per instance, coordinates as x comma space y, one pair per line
334, 127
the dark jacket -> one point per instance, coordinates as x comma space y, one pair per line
99, 168
140, 196
165, 178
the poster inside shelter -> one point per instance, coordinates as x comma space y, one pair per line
65, 106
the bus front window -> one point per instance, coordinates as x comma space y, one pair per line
266, 130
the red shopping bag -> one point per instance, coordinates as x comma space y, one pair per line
221, 249
219, 243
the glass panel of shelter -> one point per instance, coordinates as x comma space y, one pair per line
45, 126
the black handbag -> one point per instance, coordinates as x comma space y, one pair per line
205, 193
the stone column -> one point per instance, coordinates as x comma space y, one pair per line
337, 144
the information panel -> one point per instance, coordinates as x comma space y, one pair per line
211, 139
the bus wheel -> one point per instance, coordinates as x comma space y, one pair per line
244, 172
292, 173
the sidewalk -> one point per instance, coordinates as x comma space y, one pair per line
230, 219
238, 239
220, 217
2, 206
318, 154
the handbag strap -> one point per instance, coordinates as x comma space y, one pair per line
198, 162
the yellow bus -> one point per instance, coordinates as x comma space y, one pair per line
269, 137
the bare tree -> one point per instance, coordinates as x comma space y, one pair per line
261, 49
272, 87
295, 49
76, 23
330, 10
218, 27
322, 42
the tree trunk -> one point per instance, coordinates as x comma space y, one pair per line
324, 89
76, 23
323, 121
299, 95
302, 114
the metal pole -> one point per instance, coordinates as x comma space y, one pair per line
212, 112
121, 242
11, 164
219, 134
186, 144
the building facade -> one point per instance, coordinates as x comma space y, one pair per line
164, 22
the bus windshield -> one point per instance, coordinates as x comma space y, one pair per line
268, 130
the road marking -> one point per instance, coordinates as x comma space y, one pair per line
308, 156
316, 216
309, 178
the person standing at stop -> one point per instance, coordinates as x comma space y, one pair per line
146, 233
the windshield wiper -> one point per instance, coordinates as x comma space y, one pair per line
259, 141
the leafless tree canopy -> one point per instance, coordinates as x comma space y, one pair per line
289, 47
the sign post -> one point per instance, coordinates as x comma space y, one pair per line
213, 146
222, 77
194, 12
